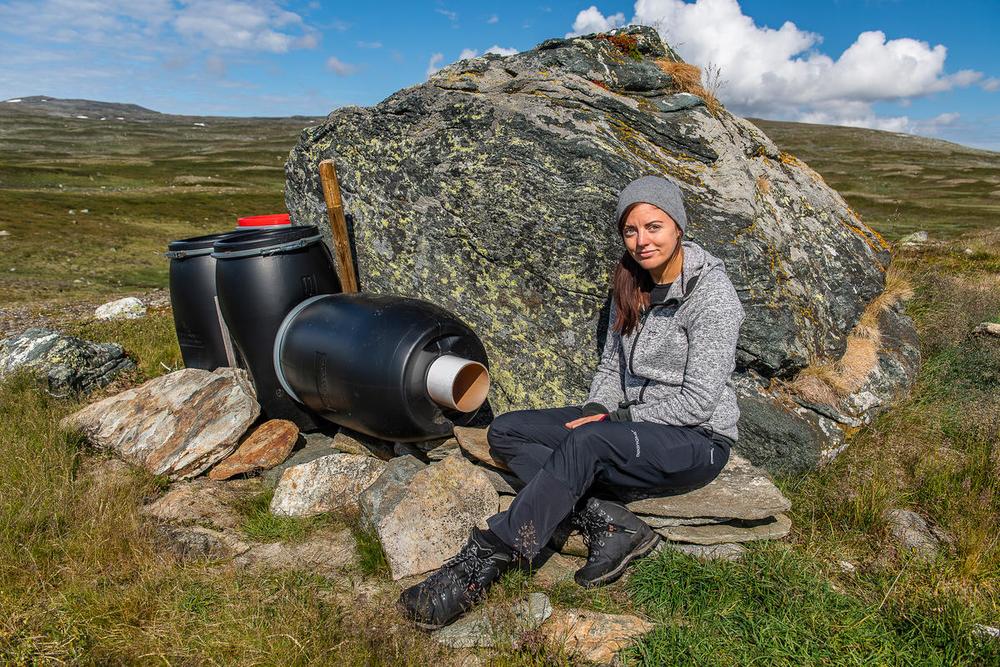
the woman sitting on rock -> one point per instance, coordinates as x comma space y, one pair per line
660, 418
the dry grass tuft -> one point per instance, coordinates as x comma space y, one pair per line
687, 78
830, 382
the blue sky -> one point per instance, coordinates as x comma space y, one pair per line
922, 67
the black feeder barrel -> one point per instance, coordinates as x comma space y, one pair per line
362, 361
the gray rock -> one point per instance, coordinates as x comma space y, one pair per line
326, 484
771, 528
914, 239
593, 636
178, 425
129, 308
429, 519
69, 364
723, 551
492, 627
670, 522
504, 484
315, 446
352, 442
558, 568
741, 491
188, 541
987, 329
449, 185
912, 532
986, 631
390, 487
440, 451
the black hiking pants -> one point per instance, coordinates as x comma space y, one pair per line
559, 465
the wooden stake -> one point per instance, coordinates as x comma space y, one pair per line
338, 227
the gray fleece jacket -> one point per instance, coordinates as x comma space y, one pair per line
676, 366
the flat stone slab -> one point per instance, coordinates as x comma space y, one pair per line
741, 491
179, 424
326, 484
473, 442
268, 445
772, 528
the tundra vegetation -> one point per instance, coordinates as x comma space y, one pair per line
89, 207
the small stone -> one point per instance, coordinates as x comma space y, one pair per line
986, 631
268, 445
847, 567
912, 532
439, 452
914, 239
316, 445
325, 484
201, 501
129, 308
352, 442
505, 503
473, 442
968, 252
987, 329
594, 636
492, 627
771, 528
724, 551
4, 232
179, 424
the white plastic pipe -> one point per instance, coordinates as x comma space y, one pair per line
457, 383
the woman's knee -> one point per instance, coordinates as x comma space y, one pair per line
503, 431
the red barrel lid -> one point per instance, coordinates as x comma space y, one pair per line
265, 220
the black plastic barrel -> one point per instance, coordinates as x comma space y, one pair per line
260, 277
201, 332
361, 361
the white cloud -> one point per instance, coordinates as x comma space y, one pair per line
592, 20
448, 14
339, 67
493, 19
781, 72
234, 24
434, 64
369, 45
990, 85
468, 53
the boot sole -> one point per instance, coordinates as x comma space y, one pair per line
614, 575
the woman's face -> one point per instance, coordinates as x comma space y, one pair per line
650, 236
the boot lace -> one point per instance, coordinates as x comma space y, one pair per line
594, 528
464, 569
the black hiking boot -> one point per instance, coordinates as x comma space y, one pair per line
615, 537
459, 584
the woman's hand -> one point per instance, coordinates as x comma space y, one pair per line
585, 420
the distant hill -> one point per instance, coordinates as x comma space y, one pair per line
899, 183
96, 110
74, 108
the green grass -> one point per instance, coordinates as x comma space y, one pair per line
777, 607
262, 526
372, 561
899, 183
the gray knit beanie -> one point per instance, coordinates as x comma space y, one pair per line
661, 193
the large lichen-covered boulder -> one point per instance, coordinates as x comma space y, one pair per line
489, 190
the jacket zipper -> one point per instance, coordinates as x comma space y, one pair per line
631, 354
